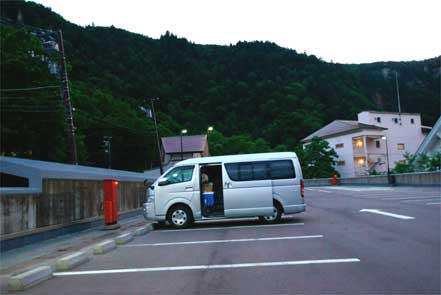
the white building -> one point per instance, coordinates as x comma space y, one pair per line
361, 144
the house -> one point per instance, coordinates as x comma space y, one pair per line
364, 146
432, 143
174, 150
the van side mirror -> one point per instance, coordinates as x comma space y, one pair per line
163, 181
147, 183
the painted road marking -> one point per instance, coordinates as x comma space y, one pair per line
422, 200
433, 203
227, 227
209, 266
225, 241
410, 198
375, 211
322, 191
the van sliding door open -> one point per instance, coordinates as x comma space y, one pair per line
247, 190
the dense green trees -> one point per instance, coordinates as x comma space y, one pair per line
419, 163
257, 95
317, 159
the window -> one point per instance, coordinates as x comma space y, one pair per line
247, 171
339, 145
340, 163
400, 146
281, 169
395, 120
377, 144
180, 174
412, 121
378, 119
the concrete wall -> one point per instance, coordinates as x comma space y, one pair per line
419, 178
62, 202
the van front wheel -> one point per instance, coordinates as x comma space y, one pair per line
275, 217
180, 217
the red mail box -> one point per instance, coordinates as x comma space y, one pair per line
110, 201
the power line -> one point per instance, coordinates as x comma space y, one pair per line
28, 89
29, 97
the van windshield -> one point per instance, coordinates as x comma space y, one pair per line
180, 174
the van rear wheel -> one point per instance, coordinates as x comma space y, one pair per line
180, 217
275, 217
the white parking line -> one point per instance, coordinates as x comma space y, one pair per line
375, 211
212, 266
227, 227
422, 200
409, 198
225, 241
433, 203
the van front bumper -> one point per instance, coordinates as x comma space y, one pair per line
149, 212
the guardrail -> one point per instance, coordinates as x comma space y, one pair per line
432, 178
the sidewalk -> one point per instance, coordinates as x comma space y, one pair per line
48, 251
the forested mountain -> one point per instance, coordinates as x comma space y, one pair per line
257, 95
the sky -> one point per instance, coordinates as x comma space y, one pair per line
341, 31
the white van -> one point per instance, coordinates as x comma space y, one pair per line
264, 185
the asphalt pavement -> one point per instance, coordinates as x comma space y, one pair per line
350, 240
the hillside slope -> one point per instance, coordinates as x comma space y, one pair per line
267, 96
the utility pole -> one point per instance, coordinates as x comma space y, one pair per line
398, 96
108, 150
73, 158
161, 169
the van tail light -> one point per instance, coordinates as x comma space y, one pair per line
302, 188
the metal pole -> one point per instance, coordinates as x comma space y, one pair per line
108, 150
398, 96
398, 92
387, 158
182, 151
67, 105
161, 169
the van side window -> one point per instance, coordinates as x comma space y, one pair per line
282, 169
180, 174
263, 170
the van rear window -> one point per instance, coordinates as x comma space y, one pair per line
262, 170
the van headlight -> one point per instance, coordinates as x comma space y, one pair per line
150, 199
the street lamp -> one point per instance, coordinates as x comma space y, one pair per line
209, 129
182, 149
153, 116
387, 159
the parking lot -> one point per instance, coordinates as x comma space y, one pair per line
350, 240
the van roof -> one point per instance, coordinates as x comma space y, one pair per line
242, 157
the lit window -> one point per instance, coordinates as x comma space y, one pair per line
400, 146
377, 144
358, 143
339, 145
360, 161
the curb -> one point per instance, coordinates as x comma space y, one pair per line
30, 278
124, 238
39, 274
104, 247
143, 230
70, 261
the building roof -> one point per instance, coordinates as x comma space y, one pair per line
432, 140
392, 113
36, 171
192, 143
337, 127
